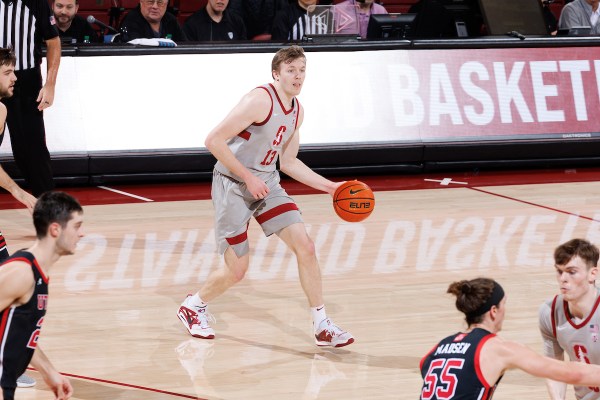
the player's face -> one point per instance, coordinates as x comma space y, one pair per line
7, 80
153, 10
70, 235
218, 5
64, 11
575, 279
291, 76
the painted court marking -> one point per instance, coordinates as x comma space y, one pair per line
89, 378
446, 181
125, 193
534, 204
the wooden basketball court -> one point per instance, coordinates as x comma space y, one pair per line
112, 325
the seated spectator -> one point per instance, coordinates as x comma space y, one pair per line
363, 10
549, 18
214, 22
434, 21
258, 15
71, 25
292, 22
580, 13
151, 20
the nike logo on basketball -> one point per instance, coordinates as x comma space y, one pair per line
353, 192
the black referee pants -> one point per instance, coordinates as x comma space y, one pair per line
27, 133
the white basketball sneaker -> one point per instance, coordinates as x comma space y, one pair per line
329, 334
195, 319
25, 381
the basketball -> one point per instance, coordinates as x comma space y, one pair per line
353, 201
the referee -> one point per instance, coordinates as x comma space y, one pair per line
24, 24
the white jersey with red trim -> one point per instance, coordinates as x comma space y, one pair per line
258, 147
579, 338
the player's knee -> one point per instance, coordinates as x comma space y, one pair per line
306, 248
238, 274
237, 271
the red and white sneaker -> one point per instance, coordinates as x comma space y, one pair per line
195, 320
329, 334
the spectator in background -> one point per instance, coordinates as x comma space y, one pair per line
214, 22
580, 13
151, 20
362, 10
434, 21
258, 15
71, 25
293, 23
549, 18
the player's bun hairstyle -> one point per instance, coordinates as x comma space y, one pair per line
286, 55
577, 247
471, 296
7, 57
53, 207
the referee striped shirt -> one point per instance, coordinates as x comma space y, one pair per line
293, 23
307, 25
23, 26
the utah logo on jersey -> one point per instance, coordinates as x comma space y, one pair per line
42, 301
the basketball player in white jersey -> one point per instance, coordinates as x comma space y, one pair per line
469, 364
259, 131
570, 322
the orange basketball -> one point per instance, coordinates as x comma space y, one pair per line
353, 201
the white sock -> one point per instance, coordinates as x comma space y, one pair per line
196, 301
318, 315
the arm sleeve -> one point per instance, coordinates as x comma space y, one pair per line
45, 21
178, 35
240, 27
280, 27
570, 17
551, 347
135, 29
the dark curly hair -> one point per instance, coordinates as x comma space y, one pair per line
7, 57
471, 296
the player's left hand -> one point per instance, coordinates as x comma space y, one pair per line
46, 97
60, 385
27, 199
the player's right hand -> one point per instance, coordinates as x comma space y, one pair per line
257, 188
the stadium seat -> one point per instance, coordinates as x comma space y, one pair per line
187, 8
262, 36
129, 4
397, 8
556, 8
